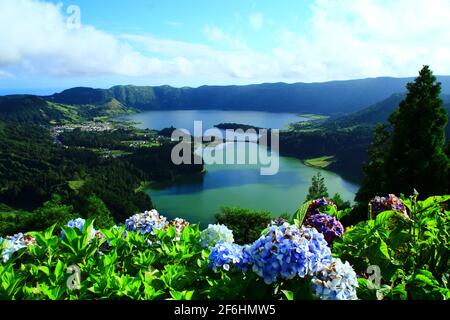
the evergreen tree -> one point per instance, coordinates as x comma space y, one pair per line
318, 189
411, 154
339, 202
374, 170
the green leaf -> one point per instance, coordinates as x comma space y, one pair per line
342, 213
384, 216
288, 294
385, 250
400, 292
301, 212
45, 270
59, 269
171, 232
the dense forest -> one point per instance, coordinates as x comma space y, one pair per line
39, 175
346, 138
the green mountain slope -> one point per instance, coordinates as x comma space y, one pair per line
377, 113
29, 109
336, 97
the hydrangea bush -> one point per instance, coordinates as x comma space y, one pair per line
14, 243
286, 252
391, 202
319, 206
150, 257
146, 222
329, 226
78, 224
335, 281
225, 254
216, 233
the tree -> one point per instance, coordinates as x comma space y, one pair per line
318, 189
95, 208
411, 153
53, 211
339, 202
374, 169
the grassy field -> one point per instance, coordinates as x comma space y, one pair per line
313, 116
76, 184
321, 162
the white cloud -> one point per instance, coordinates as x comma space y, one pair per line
343, 39
256, 21
34, 35
361, 38
5, 74
218, 36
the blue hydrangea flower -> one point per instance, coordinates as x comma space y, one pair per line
286, 251
146, 222
215, 234
79, 224
329, 226
335, 281
247, 258
15, 243
76, 224
223, 254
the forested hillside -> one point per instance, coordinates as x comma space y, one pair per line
34, 169
346, 139
337, 97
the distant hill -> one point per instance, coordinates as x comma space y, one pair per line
377, 113
28, 109
331, 98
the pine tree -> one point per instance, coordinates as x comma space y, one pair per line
411, 153
374, 170
318, 189
417, 158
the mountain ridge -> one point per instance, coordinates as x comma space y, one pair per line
332, 98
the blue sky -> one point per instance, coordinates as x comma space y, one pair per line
191, 43
185, 20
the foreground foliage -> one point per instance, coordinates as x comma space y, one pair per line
407, 255
401, 252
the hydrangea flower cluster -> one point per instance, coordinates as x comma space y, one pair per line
179, 225
336, 281
318, 204
214, 234
391, 202
79, 224
15, 243
327, 225
223, 254
286, 251
146, 222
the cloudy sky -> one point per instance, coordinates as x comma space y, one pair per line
190, 43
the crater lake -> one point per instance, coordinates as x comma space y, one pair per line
199, 197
